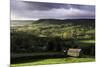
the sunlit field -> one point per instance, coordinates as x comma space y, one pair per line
53, 61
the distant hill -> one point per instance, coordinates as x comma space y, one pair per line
54, 21
20, 22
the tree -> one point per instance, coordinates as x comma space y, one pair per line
67, 35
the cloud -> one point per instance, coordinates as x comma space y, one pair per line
62, 13
57, 14
29, 10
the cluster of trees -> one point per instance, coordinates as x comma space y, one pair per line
25, 42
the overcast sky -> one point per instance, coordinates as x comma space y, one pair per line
21, 10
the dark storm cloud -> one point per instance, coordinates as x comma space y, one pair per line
22, 9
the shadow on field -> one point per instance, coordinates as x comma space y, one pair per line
34, 58
88, 49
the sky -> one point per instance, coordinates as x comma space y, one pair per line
24, 10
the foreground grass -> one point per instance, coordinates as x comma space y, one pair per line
55, 61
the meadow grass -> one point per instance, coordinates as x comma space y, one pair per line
55, 61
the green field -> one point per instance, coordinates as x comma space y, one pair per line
87, 41
55, 61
